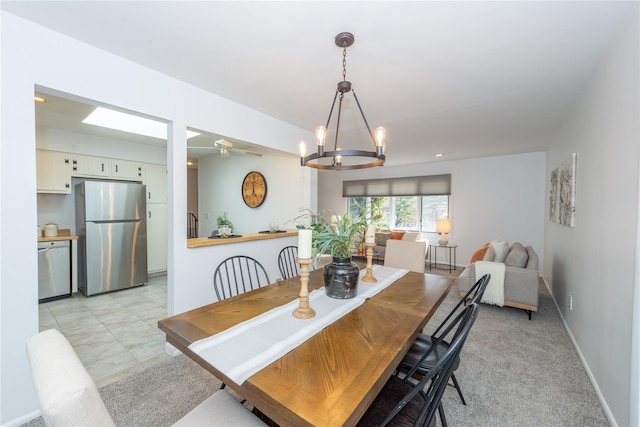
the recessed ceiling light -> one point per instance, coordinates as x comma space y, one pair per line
39, 99
438, 155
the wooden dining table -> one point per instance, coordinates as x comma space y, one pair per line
332, 378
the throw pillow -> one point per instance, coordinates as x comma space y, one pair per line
501, 249
478, 255
397, 235
381, 238
490, 254
410, 235
517, 257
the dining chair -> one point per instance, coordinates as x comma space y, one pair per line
406, 254
403, 401
69, 397
287, 262
237, 275
424, 342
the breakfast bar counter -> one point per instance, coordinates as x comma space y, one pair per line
200, 242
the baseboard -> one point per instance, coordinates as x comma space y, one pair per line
23, 419
592, 379
171, 350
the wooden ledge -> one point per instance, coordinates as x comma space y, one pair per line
246, 237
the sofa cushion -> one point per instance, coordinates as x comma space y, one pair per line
517, 256
382, 237
397, 235
478, 255
410, 235
499, 249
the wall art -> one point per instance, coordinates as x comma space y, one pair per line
567, 191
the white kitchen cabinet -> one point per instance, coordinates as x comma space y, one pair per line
126, 169
156, 182
53, 172
157, 237
90, 166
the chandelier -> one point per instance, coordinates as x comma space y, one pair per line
367, 159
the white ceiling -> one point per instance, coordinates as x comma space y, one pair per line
469, 79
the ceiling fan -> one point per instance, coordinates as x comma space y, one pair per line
226, 147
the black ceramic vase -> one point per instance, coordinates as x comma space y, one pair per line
341, 278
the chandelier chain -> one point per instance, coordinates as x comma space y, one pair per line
344, 63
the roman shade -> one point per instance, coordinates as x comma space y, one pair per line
431, 185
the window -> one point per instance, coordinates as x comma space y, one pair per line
402, 213
409, 203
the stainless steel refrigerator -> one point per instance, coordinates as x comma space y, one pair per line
112, 236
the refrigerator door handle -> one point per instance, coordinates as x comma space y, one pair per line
111, 221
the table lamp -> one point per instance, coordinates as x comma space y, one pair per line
443, 226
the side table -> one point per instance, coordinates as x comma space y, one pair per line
433, 257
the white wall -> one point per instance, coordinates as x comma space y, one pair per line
283, 174
76, 68
595, 262
491, 198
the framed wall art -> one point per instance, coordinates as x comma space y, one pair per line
567, 191
553, 196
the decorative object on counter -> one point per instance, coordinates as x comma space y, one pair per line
225, 226
51, 230
273, 227
333, 158
225, 236
39, 232
443, 226
340, 237
368, 277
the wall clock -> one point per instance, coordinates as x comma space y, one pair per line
254, 189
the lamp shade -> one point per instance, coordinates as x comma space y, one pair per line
443, 225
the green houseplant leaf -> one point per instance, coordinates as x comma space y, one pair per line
339, 236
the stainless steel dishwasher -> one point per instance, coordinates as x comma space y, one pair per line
54, 270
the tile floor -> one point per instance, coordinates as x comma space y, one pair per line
114, 334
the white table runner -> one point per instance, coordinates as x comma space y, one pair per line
246, 348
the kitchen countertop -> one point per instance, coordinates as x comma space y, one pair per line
56, 239
246, 237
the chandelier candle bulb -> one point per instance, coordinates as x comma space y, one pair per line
302, 148
370, 236
304, 244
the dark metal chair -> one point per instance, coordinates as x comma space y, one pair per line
287, 262
424, 342
237, 275
404, 402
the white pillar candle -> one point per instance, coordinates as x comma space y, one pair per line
304, 243
370, 236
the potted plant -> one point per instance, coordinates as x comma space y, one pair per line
340, 237
225, 226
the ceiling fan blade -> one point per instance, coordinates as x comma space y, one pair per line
249, 152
